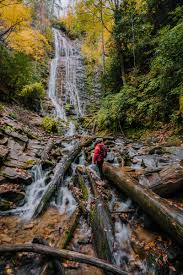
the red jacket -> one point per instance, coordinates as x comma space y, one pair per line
99, 153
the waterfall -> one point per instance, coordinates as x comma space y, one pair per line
71, 63
59, 108
34, 194
64, 68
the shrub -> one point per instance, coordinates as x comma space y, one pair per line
50, 125
17, 70
31, 95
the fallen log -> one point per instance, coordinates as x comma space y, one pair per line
82, 198
169, 217
101, 224
58, 177
169, 182
66, 235
68, 231
62, 253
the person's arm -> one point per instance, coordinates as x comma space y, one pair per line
96, 152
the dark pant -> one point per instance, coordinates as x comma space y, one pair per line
100, 166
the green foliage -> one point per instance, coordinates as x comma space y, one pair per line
181, 103
68, 107
31, 96
13, 115
50, 125
17, 70
32, 91
152, 97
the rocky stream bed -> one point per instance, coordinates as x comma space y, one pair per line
27, 165
52, 197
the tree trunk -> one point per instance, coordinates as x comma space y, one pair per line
169, 217
64, 254
58, 177
101, 224
67, 233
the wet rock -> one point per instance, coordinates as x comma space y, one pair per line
3, 152
137, 146
16, 148
34, 148
110, 158
12, 192
2, 179
16, 135
3, 140
16, 174
156, 150
6, 205
175, 150
27, 164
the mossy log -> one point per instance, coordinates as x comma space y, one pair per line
170, 181
63, 254
69, 230
63, 241
58, 177
81, 200
169, 217
101, 223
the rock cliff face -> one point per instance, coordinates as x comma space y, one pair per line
22, 143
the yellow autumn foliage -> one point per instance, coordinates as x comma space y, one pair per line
13, 13
85, 18
22, 37
29, 41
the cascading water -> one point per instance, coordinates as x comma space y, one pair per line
34, 193
69, 85
59, 108
67, 60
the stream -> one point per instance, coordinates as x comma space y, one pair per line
66, 90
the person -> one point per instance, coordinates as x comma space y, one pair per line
100, 154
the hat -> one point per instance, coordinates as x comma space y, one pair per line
98, 140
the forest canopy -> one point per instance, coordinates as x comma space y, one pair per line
137, 46
23, 47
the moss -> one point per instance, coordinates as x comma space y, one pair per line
1, 108
8, 128
50, 125
68, 107
29, 163
13, 115
181, 103
32, 90
83, 188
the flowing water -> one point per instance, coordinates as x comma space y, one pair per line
67, 62
59, 108
63, 89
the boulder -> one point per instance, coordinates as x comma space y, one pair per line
16, 147
16, 135
3, 153
17, 175
12, 193
3, 140
6, 205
